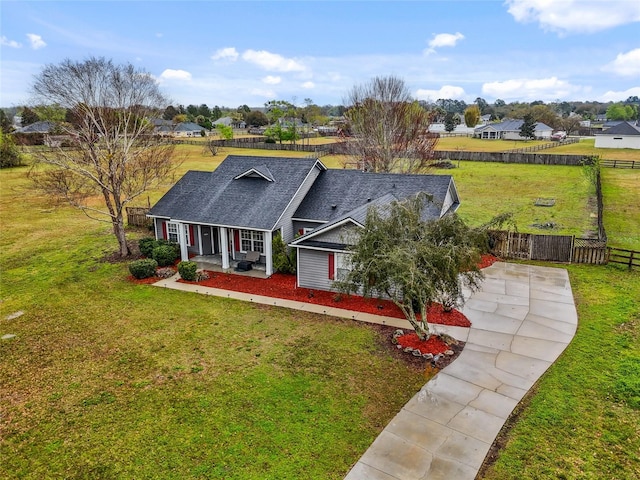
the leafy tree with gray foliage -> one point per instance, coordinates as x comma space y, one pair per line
114, 153
411, 261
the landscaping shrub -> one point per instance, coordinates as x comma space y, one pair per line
147, 245
144, 268
187, 270
165, 255
284, 258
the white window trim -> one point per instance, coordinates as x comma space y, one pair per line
177, 233
252, 240
341, 265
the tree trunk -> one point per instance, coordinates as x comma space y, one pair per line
118, 230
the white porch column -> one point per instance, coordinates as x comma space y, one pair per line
184, 253
224, 247
268, 253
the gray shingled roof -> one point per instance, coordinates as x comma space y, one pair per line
623, 128
510, 126
350, 189
358, 215
37, 127
218, 198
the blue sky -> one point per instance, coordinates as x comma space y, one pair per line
233, 53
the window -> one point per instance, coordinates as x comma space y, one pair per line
172, 232
251, 240
342, 265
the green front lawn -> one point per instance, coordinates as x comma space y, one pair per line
108, 379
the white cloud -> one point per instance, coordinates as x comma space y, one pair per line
447, 91
530, 89
9, 43
575, 15
261, 92
443, 40
308, 85
611, 96
271, 80
36, 41
227, 53
625, 64
170, 74
272, 61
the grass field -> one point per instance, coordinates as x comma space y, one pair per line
486, 189
106, 379
582, 419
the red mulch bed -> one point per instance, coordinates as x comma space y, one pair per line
284, 286
487, 260
433, 345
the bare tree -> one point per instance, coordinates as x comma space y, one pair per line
390, 130
113, 152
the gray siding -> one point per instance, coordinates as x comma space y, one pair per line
285, 222
298, 225
336, 235
313, 269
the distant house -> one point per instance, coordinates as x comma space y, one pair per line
510, 130
622, 135
236, 210
230, 122
37, 127
188, 129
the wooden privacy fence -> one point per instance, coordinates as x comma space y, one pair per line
550, 248
137, 216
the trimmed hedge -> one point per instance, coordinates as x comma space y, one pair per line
147, 245
165, 255
144, 268
187, 270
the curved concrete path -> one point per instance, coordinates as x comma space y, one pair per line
522, 318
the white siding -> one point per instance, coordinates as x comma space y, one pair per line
618, 141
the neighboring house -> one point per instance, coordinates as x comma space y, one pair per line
622, 135
240, 206
510, 130
37, 127
188, 129
229, 122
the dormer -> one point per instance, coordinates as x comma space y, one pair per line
260, 171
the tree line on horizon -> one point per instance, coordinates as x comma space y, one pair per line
564, 115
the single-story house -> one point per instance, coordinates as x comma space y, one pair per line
42, 126
240, 206
510, 130
188, 129
230, 122
623, 135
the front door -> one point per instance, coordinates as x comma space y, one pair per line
207, 240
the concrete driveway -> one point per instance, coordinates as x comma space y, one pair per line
522, 319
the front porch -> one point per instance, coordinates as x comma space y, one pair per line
213, 263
